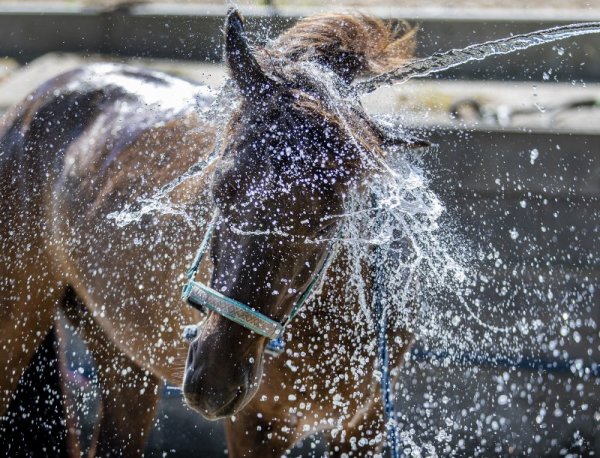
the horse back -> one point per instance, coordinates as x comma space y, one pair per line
78, 129
83, 145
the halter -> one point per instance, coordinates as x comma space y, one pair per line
204, 298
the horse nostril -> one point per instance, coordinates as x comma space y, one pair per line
213, 405
237, 395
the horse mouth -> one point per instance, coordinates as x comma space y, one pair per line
204, 407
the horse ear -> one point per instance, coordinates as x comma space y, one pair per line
244, 68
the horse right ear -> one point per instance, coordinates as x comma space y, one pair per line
244, 68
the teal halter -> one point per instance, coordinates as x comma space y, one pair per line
204, 298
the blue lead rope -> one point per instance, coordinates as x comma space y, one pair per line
381, 320
389, 410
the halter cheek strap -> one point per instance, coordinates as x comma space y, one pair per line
203, 298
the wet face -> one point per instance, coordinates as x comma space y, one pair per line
279, 188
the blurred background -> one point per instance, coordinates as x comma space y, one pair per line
517, 164
458, 4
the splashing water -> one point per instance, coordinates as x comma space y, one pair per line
427, 266
399, 214
421, 259
436, 63
433, 285
159, 203
430, 269
440, 62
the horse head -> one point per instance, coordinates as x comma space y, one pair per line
293, 149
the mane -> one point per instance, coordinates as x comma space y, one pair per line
349, 44
342, 46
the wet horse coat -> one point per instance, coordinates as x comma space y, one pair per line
90, 142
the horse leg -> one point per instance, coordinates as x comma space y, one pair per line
129, 394
26, 315
129, 403
36, 423
31, 395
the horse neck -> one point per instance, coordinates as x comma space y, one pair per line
335, 296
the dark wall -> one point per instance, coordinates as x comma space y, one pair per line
196, 35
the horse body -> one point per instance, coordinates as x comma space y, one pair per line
161, 144
92, 141
115, 145
79, 148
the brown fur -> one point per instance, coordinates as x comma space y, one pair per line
350, 44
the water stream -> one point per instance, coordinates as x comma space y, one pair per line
440, 62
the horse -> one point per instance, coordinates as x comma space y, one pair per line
98, 139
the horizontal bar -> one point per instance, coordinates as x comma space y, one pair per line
495, 361
194, 32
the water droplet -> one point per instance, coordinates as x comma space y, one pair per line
502, 400
533, 155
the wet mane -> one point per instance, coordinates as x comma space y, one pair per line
349, 44
308, 69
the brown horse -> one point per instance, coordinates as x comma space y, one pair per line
92, 141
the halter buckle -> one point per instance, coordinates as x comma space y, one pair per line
190, 332
275, 347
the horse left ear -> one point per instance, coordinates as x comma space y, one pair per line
244, 68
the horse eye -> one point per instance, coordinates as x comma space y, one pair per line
223, 195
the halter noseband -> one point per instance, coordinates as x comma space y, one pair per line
204, 298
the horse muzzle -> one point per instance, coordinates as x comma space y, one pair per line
216, 386
214, 405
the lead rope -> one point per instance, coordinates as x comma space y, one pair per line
389, 411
